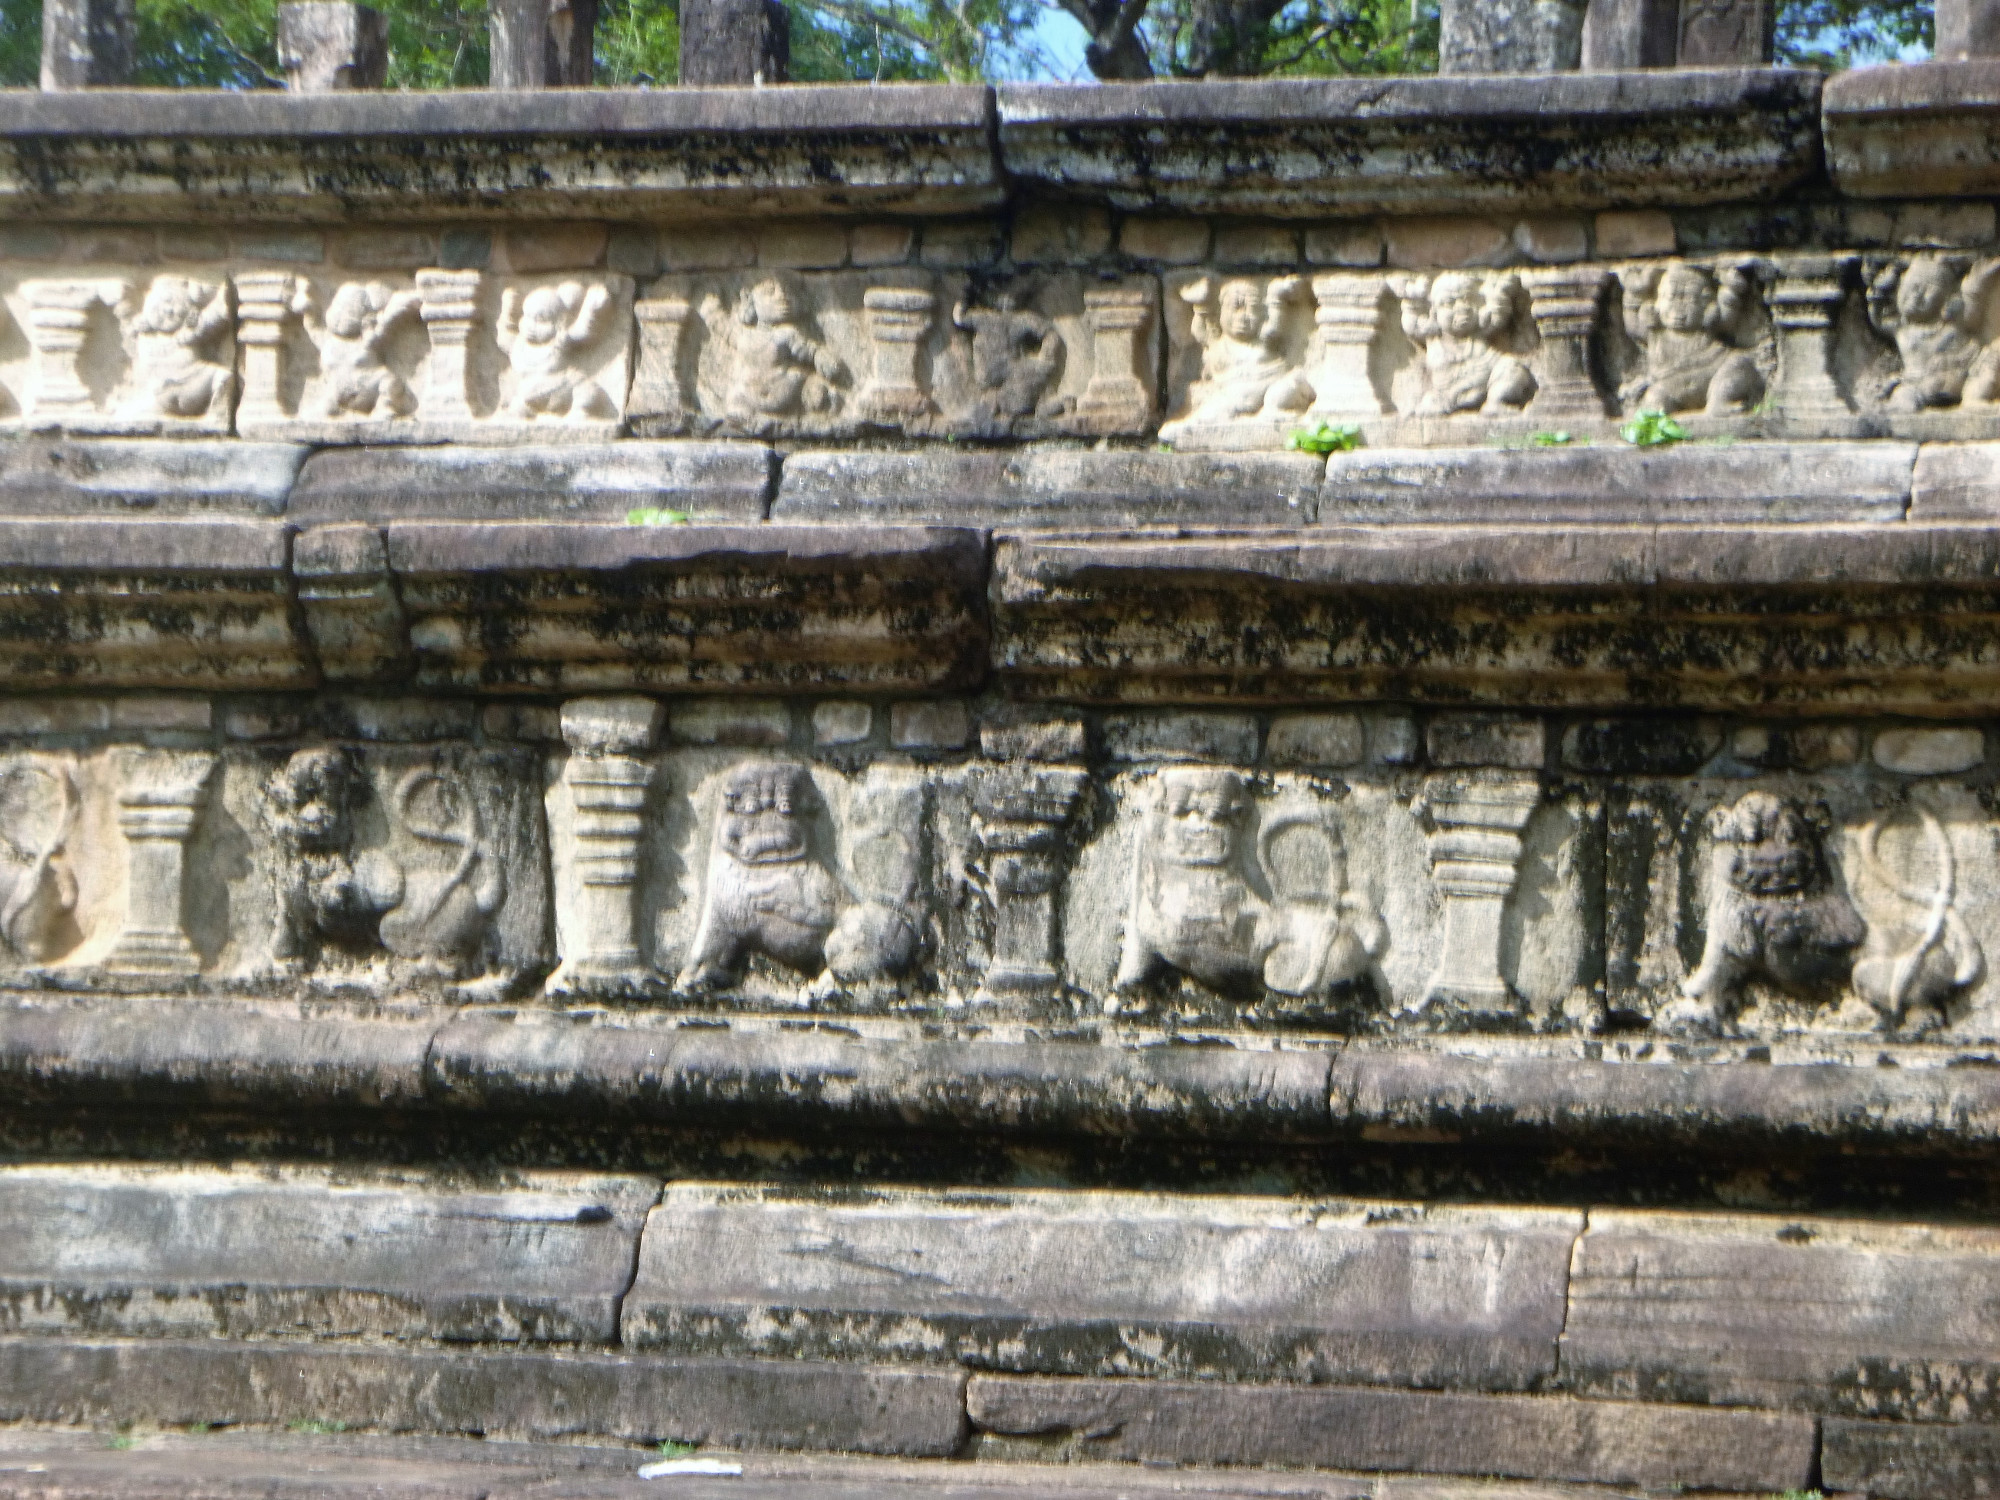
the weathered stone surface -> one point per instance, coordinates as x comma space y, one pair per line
327, 46
1432, 145
1048, 488
1624, 34
1929, 752
887, 608
1965, 29
1510, 36
1752, 482
1651, 1447
110, 1251
1923, 130
1850, 1317
1911, 1461
1956, 482
1108, 1283
110, 475
87, 43
735, 42
703, 480
543, 154
711, 1402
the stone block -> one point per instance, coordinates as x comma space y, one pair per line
1944, 225
1911, 1461
465, 249
1914, 132
622, 725
87, 43
1623, 233
1315, 740
1622, 35
960, 245
1097, 1283
1846, 1317
161, 711
1485, 740
291, 247
1748, 482
1356, 245
1049, 236
1640, 746
521, 721
718, 1403
1965, 29
633, 249
1393, 739
880, 244
326, 46
117, 476
38, 716
1166, 242
555, 247
589, 482
1428, 243
1509, 36
1551, 239
180, 242
97, 245
1031, 734
1727, 33
1929, 752
1523, 1437
1956, 482
1230, 738
838, 723
808, 244
933, 725
707, 248
1048, 488
1256, 245
728, 721
40, 242
735, 42
242, 1254
394, 719
385, 249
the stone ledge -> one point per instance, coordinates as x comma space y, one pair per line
1915, 130
1298, 147
1528, 1437
711, 1402
1909, 1461
471, 153
39, 476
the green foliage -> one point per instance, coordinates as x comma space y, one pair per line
121, 1440
1652, 429
313, 1427
1835, 34
638, 42
1549, 440
648, 515
1327, 437
671, 1449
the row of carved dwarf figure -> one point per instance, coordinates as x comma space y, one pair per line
467, 356
1175, 892
1813, 338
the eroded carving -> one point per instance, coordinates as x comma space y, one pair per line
775, 370
1917, 984
545, 334
353, 337
38, 808
1934, 308
320, 895
1192, 906
1774, 913
1468, 326
1247, 367
178, 330
1014, 354
1690, 323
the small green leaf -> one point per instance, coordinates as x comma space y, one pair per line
648, 515
1327, 437
671, 1449
1551, 439
1652, 429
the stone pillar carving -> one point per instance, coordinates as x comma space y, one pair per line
1509, 36
1348, 315
265, 302
449, 308
332, 46
1967, 28
58, 326
87, 43
517, 44
607, 779
898, 320
657, 398
1021, 816
1727, 33
1117, 398
1564, 302
735, 42
1805, 305
1622, 34
1474, 839
160, 798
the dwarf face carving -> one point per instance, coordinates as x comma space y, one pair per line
766, 810
1687, 299
1204, 816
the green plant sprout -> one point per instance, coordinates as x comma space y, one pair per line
652, 515
1327, 437
668, 1448
1550, 440
1652, 429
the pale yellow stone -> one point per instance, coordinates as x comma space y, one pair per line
802, 246
555, 247
1170, 242
1060, 236
1256, 245
385, 249
137, 247
1315, 740
842, 723
160, 711
880, 244
1423, 244
707, 249
1641, 232
1944, 226
960, 243
1551, 238
187, 243
1358, 245
1929, 752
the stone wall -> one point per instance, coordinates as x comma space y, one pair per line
727, 766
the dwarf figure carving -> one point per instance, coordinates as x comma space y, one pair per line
1245, 370
1465, 324
1686, 319
176, 329
1193, 908
1016, 352
1935, 310
357, 378
323, 895
770, 892
37, 888
775, 370
1943, 959
544, 334
1774, 913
